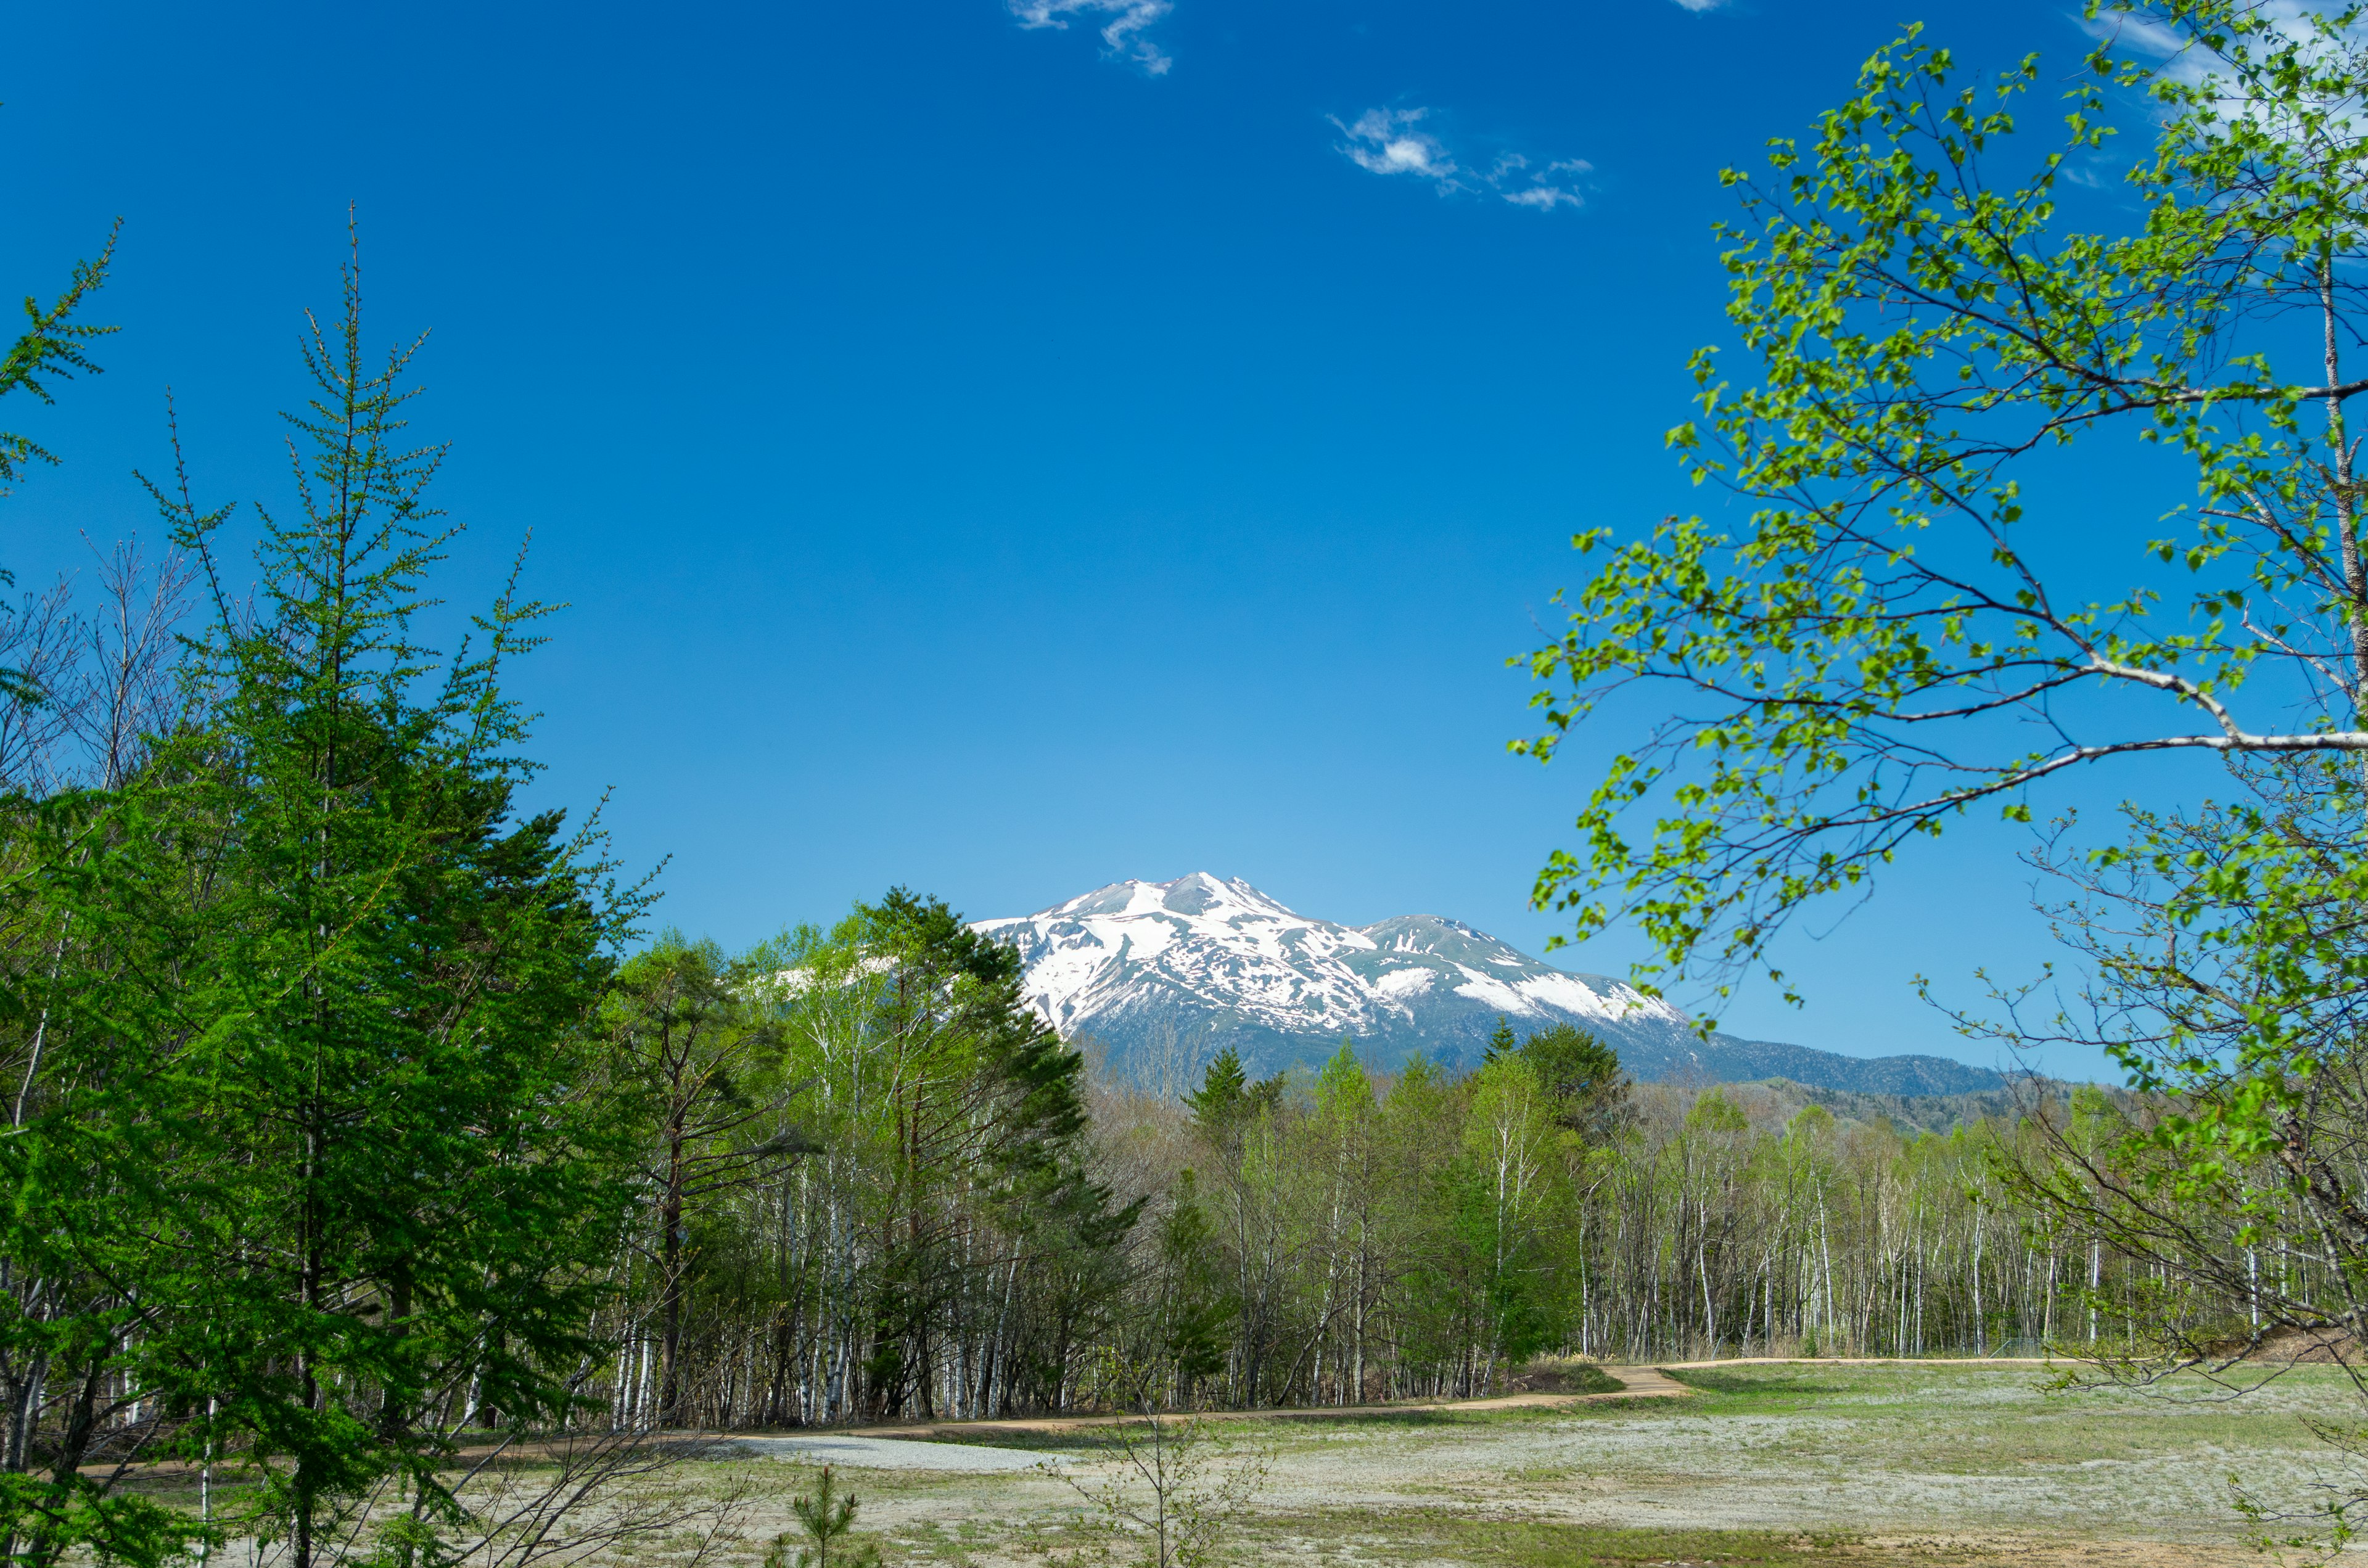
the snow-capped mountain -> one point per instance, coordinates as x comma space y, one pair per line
1220, 963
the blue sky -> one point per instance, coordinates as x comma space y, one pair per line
979, 456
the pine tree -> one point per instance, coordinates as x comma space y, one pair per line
694, 1061
827, 1517
1227, 1098
1218, 1100
1500, 1040
1195, 1310
987, 1109
1580, 1077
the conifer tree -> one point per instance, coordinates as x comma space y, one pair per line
1580, 1076
696, 1064
1500, 1040
314, 1090
1227, 1098
50, 348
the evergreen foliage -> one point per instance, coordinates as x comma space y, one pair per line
50, 348
827, 1517
1580, 1075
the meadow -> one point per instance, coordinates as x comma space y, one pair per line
1768, 1464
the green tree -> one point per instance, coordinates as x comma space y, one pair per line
1344, 1161
314, 1081
1500, 1040
1580, 1076
1192, 1309
1507, 1178
51, 347
827, 1517
957, 1119
1872, 654
1887, 643
1227, 1098
698, 1063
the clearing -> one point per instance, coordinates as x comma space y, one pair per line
1765, 1465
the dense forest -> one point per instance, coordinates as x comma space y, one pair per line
987, 1229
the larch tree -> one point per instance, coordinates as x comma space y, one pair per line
313, 1103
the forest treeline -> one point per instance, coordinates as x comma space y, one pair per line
1333, 1235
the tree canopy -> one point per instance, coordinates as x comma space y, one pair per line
1937, 310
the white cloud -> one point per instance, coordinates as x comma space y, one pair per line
1391, 141
1385, 142
1124, 32
2142, 33
1545, 189
2327, 38
1699, 7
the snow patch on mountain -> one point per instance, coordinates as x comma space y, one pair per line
1220, 946
1208, 962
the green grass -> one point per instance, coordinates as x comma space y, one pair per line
1584, 1379
1955, 1417
1429, 1535
1771, 1387
1280, 1426
931, 1541
1577, 1377
1819, 1466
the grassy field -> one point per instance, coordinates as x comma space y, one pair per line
1764, 1467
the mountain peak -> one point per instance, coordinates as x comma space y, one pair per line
1207, 954
1199, 894
1205, 962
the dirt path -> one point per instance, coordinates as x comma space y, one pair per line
1638, 1382
1954, 1362
867, 1452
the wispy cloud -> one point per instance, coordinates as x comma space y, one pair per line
1125, 32
1699, 7
2174, 56
1385, 142
1393, 142
1546, 189
2142, 33
2326, 40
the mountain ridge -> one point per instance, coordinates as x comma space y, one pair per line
1208, 963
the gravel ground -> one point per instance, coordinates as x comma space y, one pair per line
1894, 1450
892, 1453
1959, 1458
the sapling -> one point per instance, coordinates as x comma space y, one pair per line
827, 1517
1178, 1493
